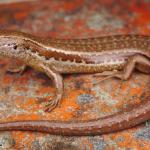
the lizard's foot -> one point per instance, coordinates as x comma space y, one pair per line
16, 67
52, 104
107, 75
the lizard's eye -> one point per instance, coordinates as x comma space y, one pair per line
15, 47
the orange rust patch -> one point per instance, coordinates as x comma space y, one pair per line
7, 80
21, 15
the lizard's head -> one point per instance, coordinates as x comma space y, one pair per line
10, 46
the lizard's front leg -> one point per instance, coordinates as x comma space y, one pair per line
58, 83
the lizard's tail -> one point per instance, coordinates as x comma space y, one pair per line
116, 122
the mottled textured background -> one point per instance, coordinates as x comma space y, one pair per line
82, 100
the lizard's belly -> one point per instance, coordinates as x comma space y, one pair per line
71, 67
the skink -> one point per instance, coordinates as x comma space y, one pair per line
55, 57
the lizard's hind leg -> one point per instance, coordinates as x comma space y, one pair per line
139, 62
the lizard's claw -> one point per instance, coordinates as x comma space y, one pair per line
50, 105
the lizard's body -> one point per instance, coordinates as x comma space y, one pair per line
96, 55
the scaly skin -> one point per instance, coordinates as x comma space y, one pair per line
94, 55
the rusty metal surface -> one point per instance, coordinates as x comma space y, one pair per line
82, 98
